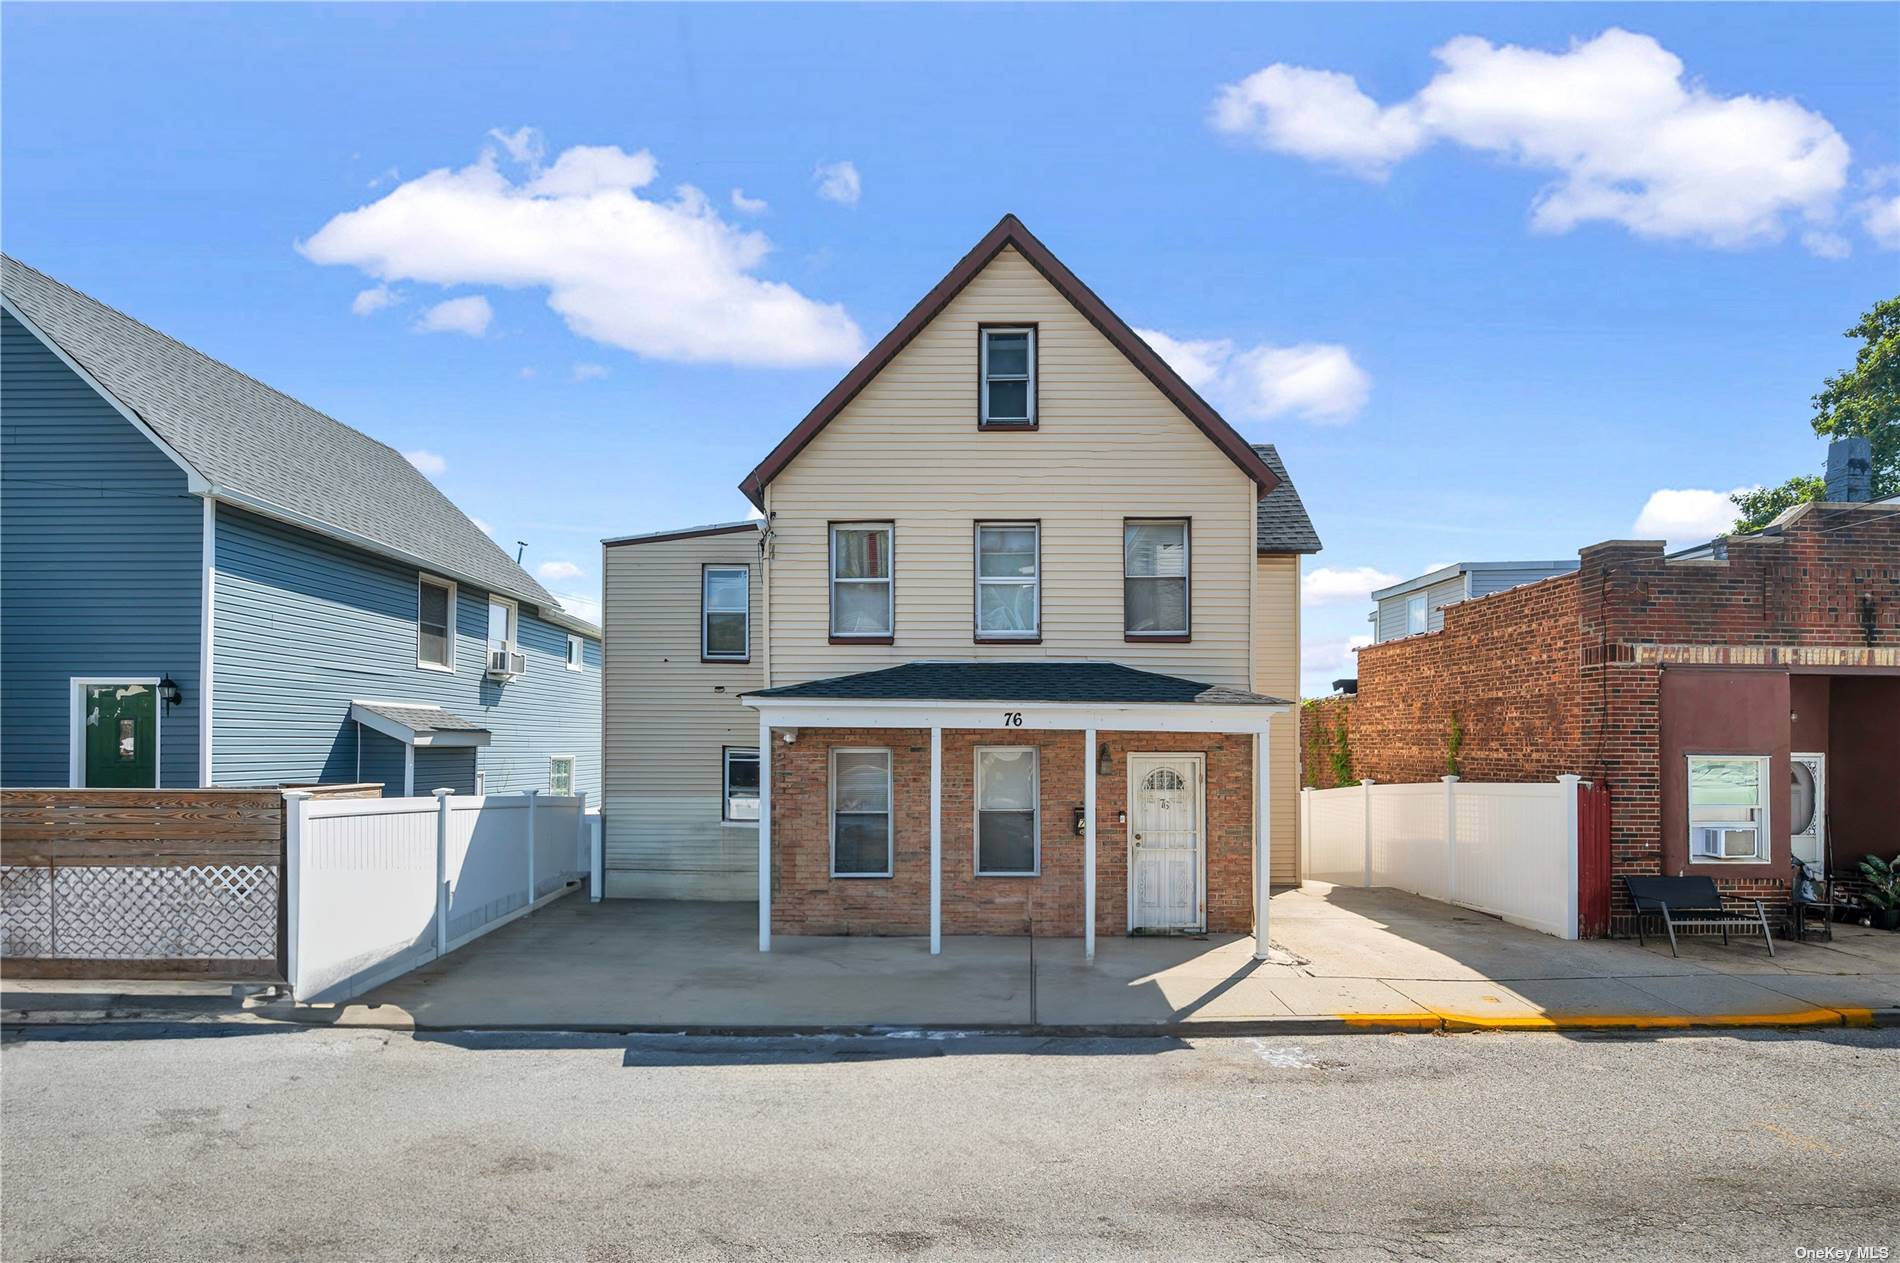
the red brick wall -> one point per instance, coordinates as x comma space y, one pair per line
1321, 720
808, 900
1507, 664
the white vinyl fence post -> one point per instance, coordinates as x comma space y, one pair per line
1365, 812
1451, 838
295, 801
442, 872
583, 850
534, 797
1306, 830
1569, 783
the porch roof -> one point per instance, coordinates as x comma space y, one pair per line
1079, 683
418, 723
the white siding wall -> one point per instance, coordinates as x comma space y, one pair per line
1437, 597
1276, 672
1110, 446
666, 725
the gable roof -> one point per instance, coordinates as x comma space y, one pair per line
259, 448
1009, 231
1280, 521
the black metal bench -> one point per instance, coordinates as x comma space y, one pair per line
1693, 902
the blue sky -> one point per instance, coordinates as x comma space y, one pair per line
1491, 277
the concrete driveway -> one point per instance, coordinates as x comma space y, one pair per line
1346, 955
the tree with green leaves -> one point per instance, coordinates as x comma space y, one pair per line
1862, 401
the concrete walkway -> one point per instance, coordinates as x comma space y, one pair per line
1342, 958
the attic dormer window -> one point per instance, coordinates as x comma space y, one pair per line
1008, 377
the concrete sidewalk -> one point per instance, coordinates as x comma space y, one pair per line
1343, 958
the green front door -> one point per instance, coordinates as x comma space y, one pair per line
121, 736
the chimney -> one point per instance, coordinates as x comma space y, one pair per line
1850, 470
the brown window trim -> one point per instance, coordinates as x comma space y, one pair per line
1187, 603
1035, 378
831, 611
977, 635
704, 566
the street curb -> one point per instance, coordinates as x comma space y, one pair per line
14, 1020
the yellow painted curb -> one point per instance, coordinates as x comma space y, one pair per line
1439, 1020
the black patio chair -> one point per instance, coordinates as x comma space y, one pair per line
1693, 902
1812, 898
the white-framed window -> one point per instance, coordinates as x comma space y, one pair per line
1008, 811
1008, 376
576, 653
435, 623
561, 775
1155, 577
1415, 614
860, 813
1728, 809
1008, 580
503, 615
725, 613
862, 605
740, 784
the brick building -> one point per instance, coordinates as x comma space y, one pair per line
1742, 700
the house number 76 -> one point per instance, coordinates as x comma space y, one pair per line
1012, 719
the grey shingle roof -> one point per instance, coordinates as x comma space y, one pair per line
1281, 524
421, 719
1106, 683
255, 442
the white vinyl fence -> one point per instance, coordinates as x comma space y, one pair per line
379, 886
1506, 849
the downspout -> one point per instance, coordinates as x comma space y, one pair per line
207, 605
765, 591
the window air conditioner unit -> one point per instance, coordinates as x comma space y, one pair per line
1727, 842
505, 664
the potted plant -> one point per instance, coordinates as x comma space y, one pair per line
1883, 890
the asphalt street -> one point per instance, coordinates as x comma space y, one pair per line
277, 1143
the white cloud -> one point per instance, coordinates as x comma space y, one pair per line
586, 372
524, 144
1319, 381
1880, 216
1327, 658
469, 314
748, 205
1629, 140
1688, 516
666, 279
581, 606
373, 300
1823, 244
428, 462
1329, 586
483, 527
838, 182
558, 571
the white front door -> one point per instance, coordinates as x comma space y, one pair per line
1807, 808
1167, 842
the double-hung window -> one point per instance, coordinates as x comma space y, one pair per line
1008, 811
435, 624
1415, 623
1155, 578
860, 813
741, 780
862, 606
725, 619
1008, 581
1728, 809
1008, 377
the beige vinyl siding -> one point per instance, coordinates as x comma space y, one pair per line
666, 725
1110, 446
1276, 672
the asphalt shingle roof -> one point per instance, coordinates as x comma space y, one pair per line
1280, 522
420, 718
256, 442
1106, 683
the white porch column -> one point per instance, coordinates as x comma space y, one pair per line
1088, 844
1262, 841
936, 841
765, 833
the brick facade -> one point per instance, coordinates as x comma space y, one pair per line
1566, 675
806, 899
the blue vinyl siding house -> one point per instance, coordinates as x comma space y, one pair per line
203, 581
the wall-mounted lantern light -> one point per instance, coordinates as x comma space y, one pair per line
168, 693
1103, 764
